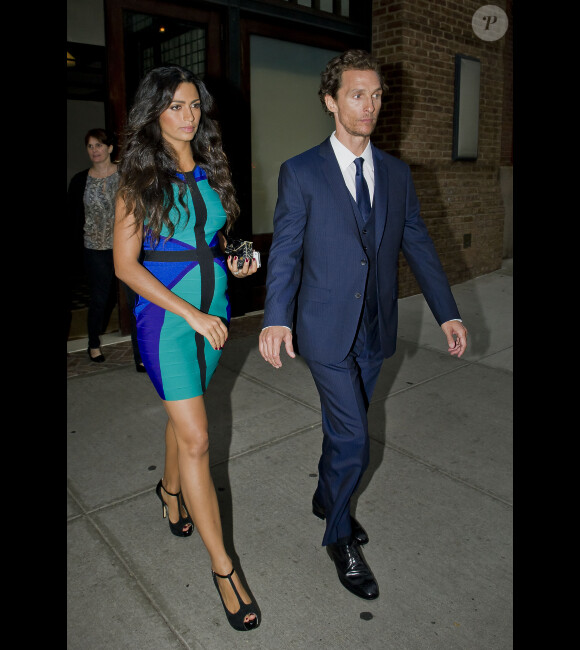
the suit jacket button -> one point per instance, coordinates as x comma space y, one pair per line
363, 262
364, 232
357, 295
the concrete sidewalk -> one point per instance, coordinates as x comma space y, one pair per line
436, 501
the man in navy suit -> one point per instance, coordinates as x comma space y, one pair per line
345, 209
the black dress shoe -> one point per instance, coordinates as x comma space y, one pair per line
140, 367
358, 532
354, 573
98, 359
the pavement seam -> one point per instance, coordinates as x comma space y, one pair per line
131, 573
105, 506
269, 387
418, 459
269, 443
439, 470
400, 450
315, 425
465, 364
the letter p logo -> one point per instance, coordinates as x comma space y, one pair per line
489, 20
489, 23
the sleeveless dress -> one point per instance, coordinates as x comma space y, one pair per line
179, 361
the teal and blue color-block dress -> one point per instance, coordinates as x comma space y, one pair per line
179, 360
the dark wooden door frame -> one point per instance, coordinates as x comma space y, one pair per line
114, 37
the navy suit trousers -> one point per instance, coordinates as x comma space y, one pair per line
345, 391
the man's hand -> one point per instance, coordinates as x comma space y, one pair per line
456, 335
270, 342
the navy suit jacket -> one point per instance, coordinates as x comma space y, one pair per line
316, 276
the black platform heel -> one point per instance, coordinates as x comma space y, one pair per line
237, 620
177, 528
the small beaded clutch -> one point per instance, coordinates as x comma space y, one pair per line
243, 249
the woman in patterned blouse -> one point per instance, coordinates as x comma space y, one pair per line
92, 194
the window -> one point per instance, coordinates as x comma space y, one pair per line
336, 7
157, 40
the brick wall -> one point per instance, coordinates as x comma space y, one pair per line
461, 201
508, 81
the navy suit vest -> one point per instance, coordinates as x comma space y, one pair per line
367, 235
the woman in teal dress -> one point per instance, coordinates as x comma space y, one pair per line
175, 198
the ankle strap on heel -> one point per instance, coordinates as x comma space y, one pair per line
169, 493
230, 574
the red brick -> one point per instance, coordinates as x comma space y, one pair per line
416, 42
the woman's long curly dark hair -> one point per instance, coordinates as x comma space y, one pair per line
148, 164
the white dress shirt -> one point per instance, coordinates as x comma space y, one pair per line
346, 159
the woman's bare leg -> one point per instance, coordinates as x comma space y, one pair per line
171, 481
188, 422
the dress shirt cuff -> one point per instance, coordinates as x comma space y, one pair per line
286, 326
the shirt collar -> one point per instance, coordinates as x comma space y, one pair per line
345, 156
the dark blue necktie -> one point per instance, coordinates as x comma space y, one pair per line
363, 198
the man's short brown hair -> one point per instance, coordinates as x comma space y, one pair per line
331, 77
